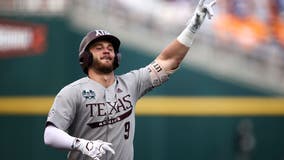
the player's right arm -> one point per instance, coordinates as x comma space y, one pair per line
59, 119
57, 138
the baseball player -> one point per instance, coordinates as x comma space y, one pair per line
94, 117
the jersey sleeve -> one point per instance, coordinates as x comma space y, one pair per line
63, 109
147, 78
158, 74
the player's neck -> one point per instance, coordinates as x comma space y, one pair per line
105, 79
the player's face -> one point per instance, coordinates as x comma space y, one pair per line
103, 56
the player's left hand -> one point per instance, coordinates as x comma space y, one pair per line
200, 13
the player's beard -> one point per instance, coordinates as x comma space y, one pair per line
103, 67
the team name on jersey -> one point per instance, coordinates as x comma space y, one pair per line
122, 105
102, 109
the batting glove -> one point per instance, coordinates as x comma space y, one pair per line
93, 149
187, 36
199, 15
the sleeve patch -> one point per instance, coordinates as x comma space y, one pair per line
157, 73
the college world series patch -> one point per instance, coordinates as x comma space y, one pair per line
89, 94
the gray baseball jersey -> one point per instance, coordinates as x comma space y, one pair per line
86, 109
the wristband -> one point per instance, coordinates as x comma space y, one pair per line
186, 37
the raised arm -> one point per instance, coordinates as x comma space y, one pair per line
173, 54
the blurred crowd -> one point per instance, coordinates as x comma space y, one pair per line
247, 24
250, 24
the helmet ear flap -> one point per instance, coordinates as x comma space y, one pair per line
86, 60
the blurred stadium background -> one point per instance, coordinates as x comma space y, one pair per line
224, 103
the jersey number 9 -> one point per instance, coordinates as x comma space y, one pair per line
126, 129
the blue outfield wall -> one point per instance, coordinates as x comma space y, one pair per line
158, 137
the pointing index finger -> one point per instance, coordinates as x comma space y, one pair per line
201, 2
212, 3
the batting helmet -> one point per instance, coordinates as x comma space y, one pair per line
86, 58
